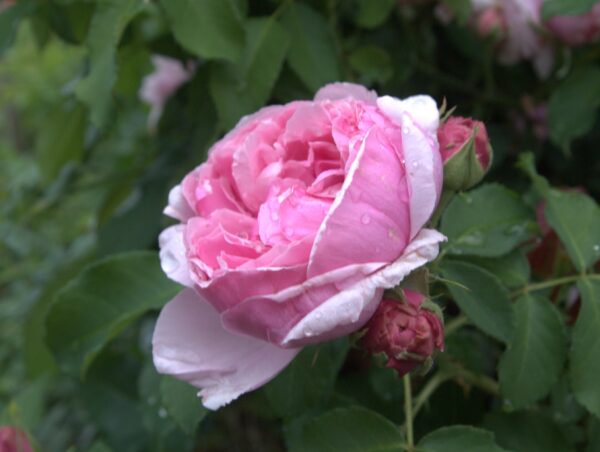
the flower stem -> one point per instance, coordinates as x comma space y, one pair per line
408, 415
433, 383
455, 324
551, 283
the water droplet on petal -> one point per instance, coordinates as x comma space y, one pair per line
308, 332
405, 130
415, 164
289, 232
365, 219
274, 216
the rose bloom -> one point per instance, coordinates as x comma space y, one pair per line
407, 334
169, 74
577, 30
290, 232
521, 38
13, 439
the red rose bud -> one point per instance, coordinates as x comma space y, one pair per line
13, 439
406, 331
466, 152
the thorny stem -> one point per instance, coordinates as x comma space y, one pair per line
408, 414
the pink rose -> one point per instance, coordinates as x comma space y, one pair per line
169, 74
577, 30
522, 39
405, 332
290, 232
13, 439
491, 22
466, 152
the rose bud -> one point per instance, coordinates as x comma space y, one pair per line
13, 439
290, 232
406, 332
466, 152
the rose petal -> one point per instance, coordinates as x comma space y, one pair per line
173, 255
190, 343
350, 309
369, 220
419, 118
178, 207
343, 90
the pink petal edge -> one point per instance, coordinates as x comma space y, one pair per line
190, 344
349, 310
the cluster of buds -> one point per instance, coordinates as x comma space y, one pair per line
466, 152
407, 330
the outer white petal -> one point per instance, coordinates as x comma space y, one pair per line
423, 110
172, 255
350, 309
343, 90
419, 118
190, 343
178, 207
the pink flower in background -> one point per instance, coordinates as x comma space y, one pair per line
577, 30
13, 439
169, 74
290, 232
406, 333
521, 36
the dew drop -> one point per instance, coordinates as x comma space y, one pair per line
162, 413
289, 232
308, 332
365, 219
415, 164
319, 315
474, 239
597, 248
405, 130
274, 216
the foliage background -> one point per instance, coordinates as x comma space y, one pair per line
83, 183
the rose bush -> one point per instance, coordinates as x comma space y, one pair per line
291, 231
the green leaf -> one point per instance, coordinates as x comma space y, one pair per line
350, 430
552, 8
489, 221
512, 268
371, 14
526, 432
312, 54
460, 8
207, 28
240, 89
10, 19
573, 105
585, 350
535, 357
109, 22
307, 383
61, 141
182, 403
372, 63
480, 295
99, 446
576, 219
95, 306
459, 438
